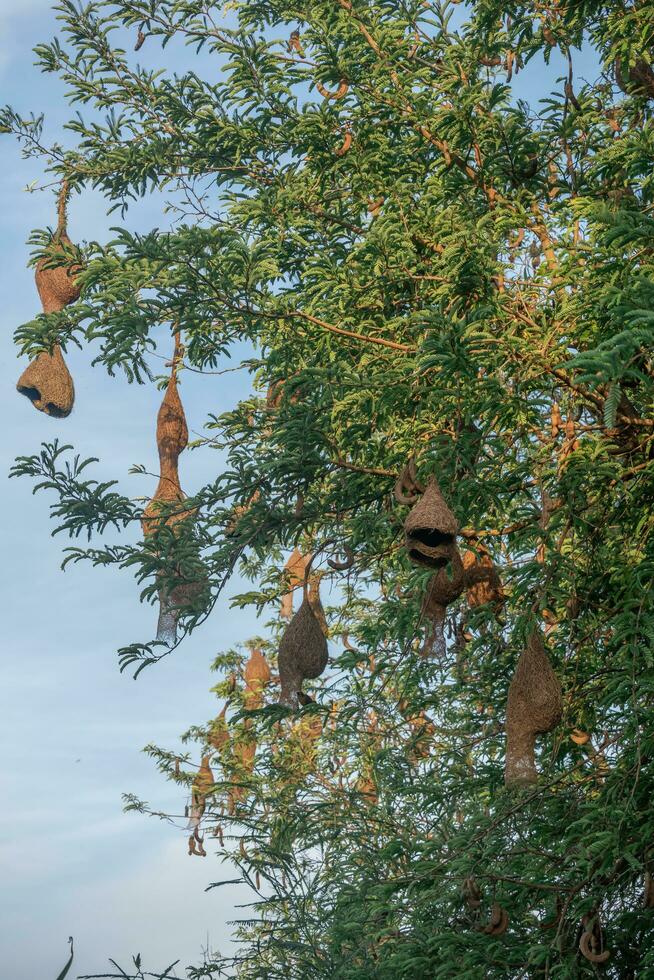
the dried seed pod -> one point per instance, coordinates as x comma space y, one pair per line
345, 145
498, 921
471, 893
202, 784
482, 582
430, 529
46, 381
591, 941
534, 706
302, 654
338, 94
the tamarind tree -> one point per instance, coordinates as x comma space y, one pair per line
436, 279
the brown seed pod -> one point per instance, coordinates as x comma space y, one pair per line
534, 706
498, 921
482, 582
345, 145
46, 381
338, 94
471, 893
302, 654
430, 529
592, 941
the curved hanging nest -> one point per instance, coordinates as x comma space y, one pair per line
534, 706
430, 529
46, 381
303, 654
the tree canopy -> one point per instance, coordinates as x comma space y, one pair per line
447, 299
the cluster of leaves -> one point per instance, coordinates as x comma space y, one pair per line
428, 266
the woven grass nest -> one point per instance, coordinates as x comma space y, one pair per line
46, 381
48, 384
534, 706
430, 529
172, 438
257, 675
303, 654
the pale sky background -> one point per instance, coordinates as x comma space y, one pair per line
71, 726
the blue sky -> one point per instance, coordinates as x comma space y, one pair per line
71, 726
70, 861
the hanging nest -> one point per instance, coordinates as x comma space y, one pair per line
636, 79
47, 382
445, 587
316, 603
244, 751
430, 529
534, 706
172, 438
294, 570
257, 675
482, 581
57, 283
303, 654
219, 732
202, 785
